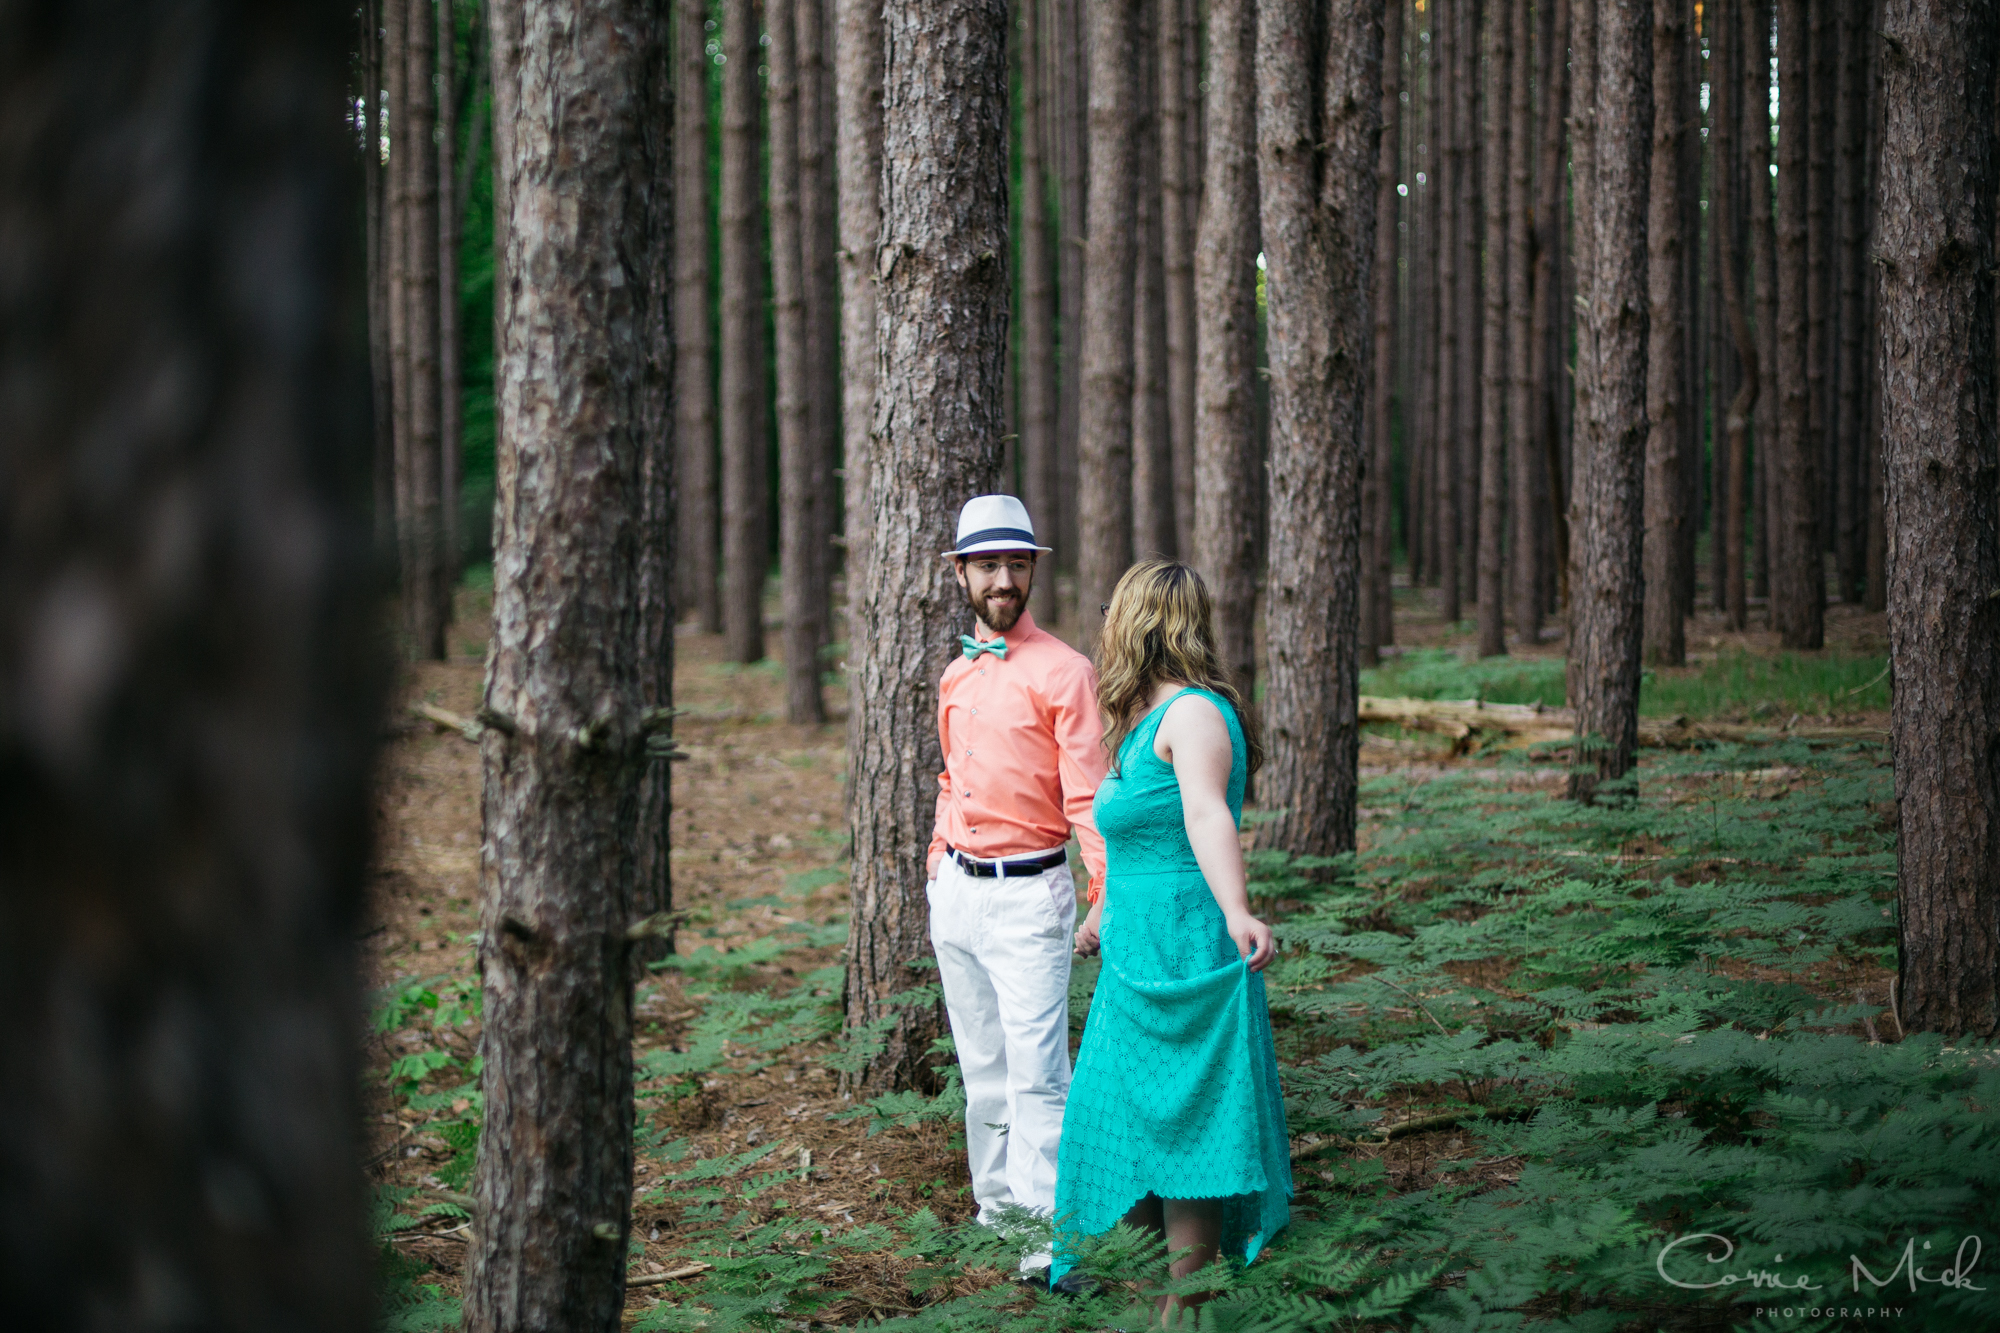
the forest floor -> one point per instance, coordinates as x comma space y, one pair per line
758, 857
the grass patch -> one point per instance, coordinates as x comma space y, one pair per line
1731, 684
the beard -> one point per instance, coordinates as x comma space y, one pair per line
1000, 611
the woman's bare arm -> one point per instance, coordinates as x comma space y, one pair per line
1194, 738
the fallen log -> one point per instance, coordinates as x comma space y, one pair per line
1468, 721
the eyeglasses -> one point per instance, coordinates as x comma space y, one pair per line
1104, 608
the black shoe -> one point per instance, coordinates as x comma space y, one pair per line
1075, 1283
1035, 1279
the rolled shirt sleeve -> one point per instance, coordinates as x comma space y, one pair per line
1080, 759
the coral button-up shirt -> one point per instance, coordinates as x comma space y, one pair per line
1024, 751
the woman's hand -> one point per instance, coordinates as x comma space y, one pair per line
1086, 934
1253, 939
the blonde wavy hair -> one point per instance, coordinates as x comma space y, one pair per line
1159, 626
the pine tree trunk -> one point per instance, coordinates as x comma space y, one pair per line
1177, 215
1940, 456
1377, 619
1797, 585
1853, 269
799, 490
1876, 555
1471, 297
1549, 372
1518, 341
374, 189
857, 83
1104, 449
574, 663
1318, 117
191, 671
1605, 582
451, 408
694, 338
1666, 352
395, 251
937, 439
1694, 357
1498, 60
1757, 16
1452, 412
1038, 332
1152, 439
1225, 277
1072, 238
420, 458
1730, 92
819, 243
745, 483
1432, 408
1821, 35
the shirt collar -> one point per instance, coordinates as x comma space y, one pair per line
1024, 628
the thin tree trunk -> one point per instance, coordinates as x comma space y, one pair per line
1797, 584
1693, 360
1377, 619
1877, 556
1733, 511
1494, 380
1417, 489
395, 246
694, 337
1718, 21
857, 83
1471, 302
1821, 36
575, 661
1764, 258
1104, 450
375, 190
744, 436
1225, 277
1318, 114
1038, 334
1853, 268
1666, 351
1152, 439
451, 407
1178, 190
1549, 371
191, 670
1072, 94
1523, 464
1940, 456
1452, 411
426, 594
937, 436
1611, 370
800, 561
819, 243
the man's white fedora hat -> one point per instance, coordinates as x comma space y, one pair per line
993, 523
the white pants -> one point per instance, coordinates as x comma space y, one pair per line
1003, 952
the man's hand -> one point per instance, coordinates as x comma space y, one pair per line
1253, 939
1086, 934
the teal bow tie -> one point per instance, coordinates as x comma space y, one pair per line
973, 647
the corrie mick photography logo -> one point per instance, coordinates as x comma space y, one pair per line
1857, 1293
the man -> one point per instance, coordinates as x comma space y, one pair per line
1017, 714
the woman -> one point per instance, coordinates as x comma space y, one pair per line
1175, 1121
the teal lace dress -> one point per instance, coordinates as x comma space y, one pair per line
1176, 1086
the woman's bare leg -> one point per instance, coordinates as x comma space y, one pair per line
1194, 1226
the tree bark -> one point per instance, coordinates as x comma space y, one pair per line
1178, 190
1471, 299
1518, 310
1225, 276
1853, 268
1104, 449
1764, 259
819, 242
1666, 513
374, 189
1452, 411
1940, 457
857, 82
941, 336
1038, 314
420, 457
745, 482
395, 250
1493, 378
1605, 582
1798, 591
451, 408
584, 480
1821, 37
1549, 370
800, 561
1733, 512
1377, 617
1073, 122
190, 669
1319, 85
694, 338
1152, 438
